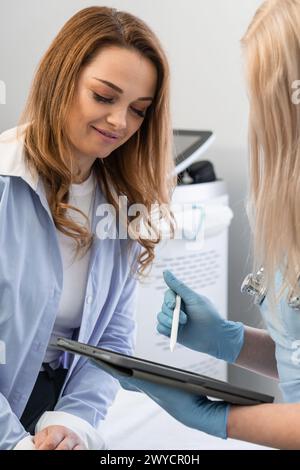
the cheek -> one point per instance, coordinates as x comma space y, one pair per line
74, 119
83, 109
131, 131
133, 127
77, 127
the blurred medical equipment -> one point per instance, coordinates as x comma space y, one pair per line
189, 146
201, 172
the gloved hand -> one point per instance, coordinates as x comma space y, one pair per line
194, 411
200, 325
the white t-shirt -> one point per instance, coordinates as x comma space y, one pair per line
75, 270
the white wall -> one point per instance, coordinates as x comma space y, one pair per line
202, 41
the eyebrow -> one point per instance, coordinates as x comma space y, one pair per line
119, 90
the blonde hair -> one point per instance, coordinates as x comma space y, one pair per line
141, 168
272, 50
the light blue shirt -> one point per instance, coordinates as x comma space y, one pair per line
31, 280
284, 328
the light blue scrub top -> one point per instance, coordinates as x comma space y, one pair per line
284, 328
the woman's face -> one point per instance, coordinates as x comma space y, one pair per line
111, 99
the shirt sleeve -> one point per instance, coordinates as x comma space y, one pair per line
90, 437
12, 431
25, 444
90, 391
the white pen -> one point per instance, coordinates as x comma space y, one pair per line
175, 323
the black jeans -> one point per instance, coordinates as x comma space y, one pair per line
44, 396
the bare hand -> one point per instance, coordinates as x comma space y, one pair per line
58, 438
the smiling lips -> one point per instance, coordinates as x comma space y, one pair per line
110, 135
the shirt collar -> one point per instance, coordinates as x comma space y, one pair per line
12, 163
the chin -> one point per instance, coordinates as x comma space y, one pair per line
100, 155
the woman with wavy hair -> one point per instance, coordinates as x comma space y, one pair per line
96, 126
272, 52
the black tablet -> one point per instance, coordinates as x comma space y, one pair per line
163, 374
188, 146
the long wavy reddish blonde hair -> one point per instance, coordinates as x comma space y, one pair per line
272, 51
141, 168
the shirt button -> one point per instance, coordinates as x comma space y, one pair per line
89, 299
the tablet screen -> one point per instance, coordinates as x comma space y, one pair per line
183, 142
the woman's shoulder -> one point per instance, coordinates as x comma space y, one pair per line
12, 156
13, 136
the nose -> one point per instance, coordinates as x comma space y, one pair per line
118, 119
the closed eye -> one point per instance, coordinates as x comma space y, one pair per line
141, 114
102, 99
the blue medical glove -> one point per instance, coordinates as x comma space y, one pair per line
194, 411
201, 327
